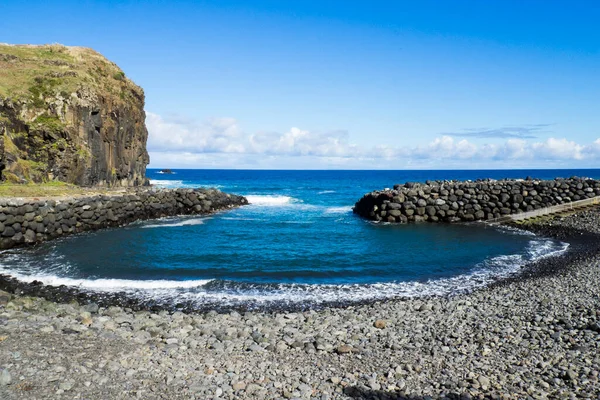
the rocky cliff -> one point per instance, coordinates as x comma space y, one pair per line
69, 114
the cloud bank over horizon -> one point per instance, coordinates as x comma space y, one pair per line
221, 143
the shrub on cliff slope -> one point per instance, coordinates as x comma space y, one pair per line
69, 114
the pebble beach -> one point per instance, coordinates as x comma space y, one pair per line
535, 335
275, 200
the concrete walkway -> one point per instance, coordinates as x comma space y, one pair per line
559, 210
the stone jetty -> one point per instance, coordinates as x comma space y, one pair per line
28, 221
455, 201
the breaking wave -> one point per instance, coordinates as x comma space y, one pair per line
179, 222
269, 200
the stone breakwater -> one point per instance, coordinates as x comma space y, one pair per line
454, 201
31, 221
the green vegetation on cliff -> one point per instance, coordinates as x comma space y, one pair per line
36, 72
69, 114
50, 189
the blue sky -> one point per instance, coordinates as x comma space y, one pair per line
328, 84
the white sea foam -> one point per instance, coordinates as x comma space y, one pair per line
185, 222
539, 249
269, 200
326, 192
176, 184
110, 285
166, 182
241, 219
338, 210
511, 230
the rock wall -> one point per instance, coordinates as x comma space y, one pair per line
69, 114
27, 221
453, 201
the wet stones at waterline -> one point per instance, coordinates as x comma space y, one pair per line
454, 201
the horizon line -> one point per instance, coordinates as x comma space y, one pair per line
357, 169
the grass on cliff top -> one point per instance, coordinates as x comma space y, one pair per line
50, 189
32, 73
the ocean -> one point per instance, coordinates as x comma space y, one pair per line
297, 243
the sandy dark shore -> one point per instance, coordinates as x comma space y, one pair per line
536, 335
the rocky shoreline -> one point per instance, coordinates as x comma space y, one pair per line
532, 336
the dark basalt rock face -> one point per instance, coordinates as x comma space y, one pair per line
69, 114
453, 201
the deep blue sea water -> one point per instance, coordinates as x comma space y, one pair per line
297, 241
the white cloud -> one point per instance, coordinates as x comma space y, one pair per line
298, 142
558, 149
513, 149
593, 150
447, 147
220, 143
217, 135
